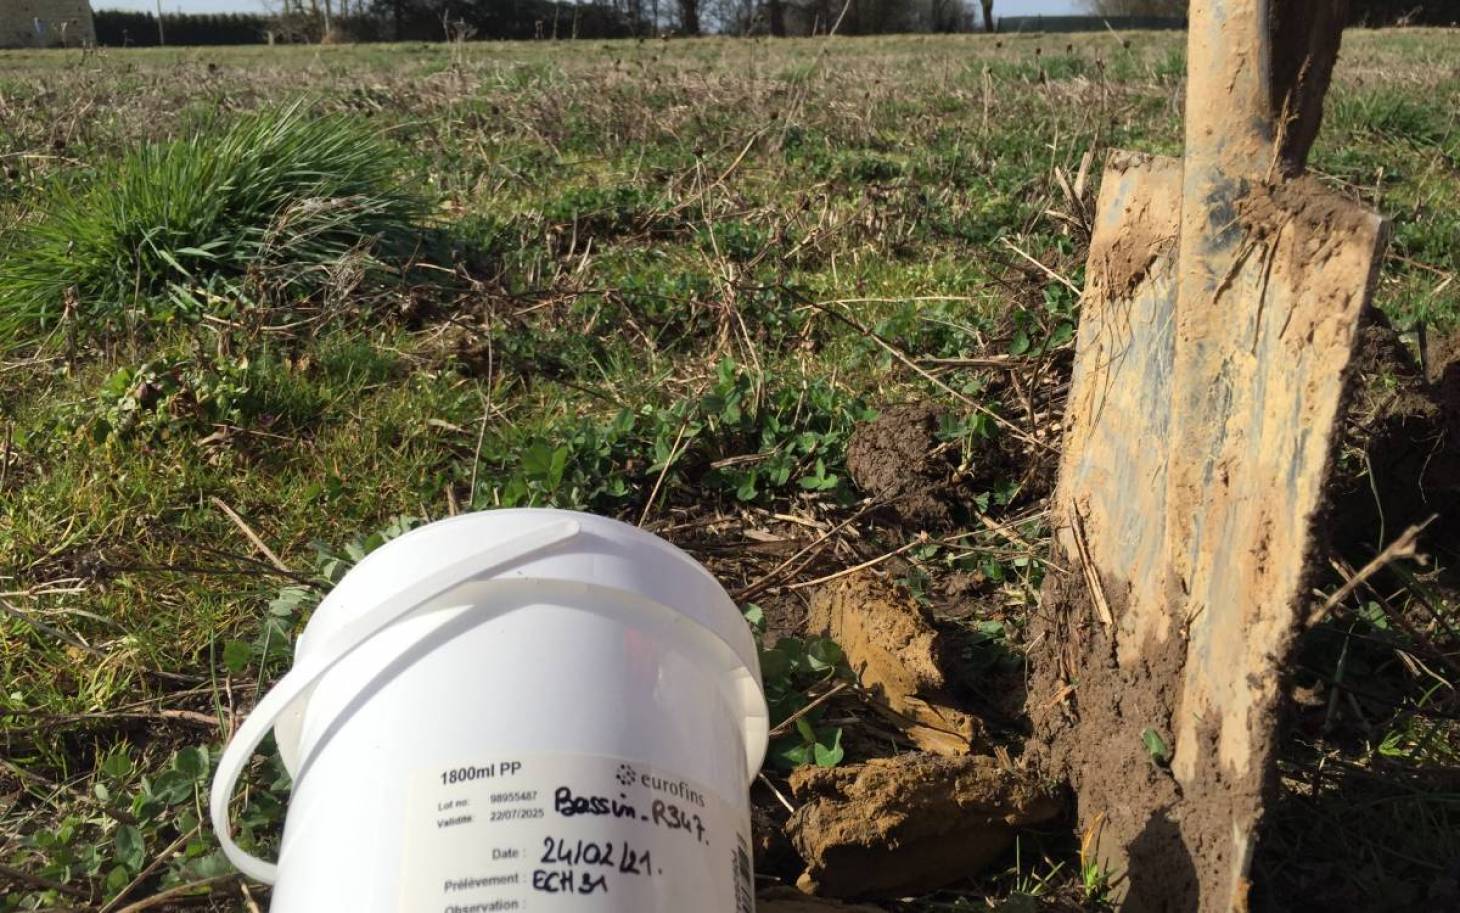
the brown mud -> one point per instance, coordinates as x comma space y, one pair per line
1087, 712
1121, 260
911, 823
929, 484
1169, 832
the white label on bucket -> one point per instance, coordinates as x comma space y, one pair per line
583, 833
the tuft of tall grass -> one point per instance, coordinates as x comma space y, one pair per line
274, 205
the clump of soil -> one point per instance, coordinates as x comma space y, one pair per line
895, 653
931, 484
790, 900
909, 824
898, 458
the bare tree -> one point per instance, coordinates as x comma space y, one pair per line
776, 13
988, 14
948, 16
689, 17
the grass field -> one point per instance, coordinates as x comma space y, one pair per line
657, 280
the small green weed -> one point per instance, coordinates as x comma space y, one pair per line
1094, 880
159, 398
181, 397
739, 241
790, 669
737, 439
1156, 747
858, 167
602, 211
131, 817
1030, 883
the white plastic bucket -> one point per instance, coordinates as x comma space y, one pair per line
530, 710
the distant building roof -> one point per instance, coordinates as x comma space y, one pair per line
45, 23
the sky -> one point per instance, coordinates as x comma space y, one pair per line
1001, 7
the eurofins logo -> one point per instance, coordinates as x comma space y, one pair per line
627, 775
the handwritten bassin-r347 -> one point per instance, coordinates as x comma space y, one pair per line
661, 813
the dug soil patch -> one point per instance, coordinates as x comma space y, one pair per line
898, 458
1400, 462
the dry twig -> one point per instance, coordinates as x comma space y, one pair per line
178, 892
249, 534
1402, 547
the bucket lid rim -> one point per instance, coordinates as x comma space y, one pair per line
702, 601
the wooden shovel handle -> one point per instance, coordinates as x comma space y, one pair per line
1305, 36
1229, 127
1257, 73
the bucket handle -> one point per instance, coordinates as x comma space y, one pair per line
310, 669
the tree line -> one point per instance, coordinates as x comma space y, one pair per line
436, 20
608, 18
1360, 12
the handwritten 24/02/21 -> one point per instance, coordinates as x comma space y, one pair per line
661, 813
559, 851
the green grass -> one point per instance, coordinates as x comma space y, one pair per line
627, 307
275, 204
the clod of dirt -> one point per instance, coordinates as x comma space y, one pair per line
897, 458
909, 824
1441, 353
790, 900
894, 652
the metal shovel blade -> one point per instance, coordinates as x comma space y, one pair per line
1220, 313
